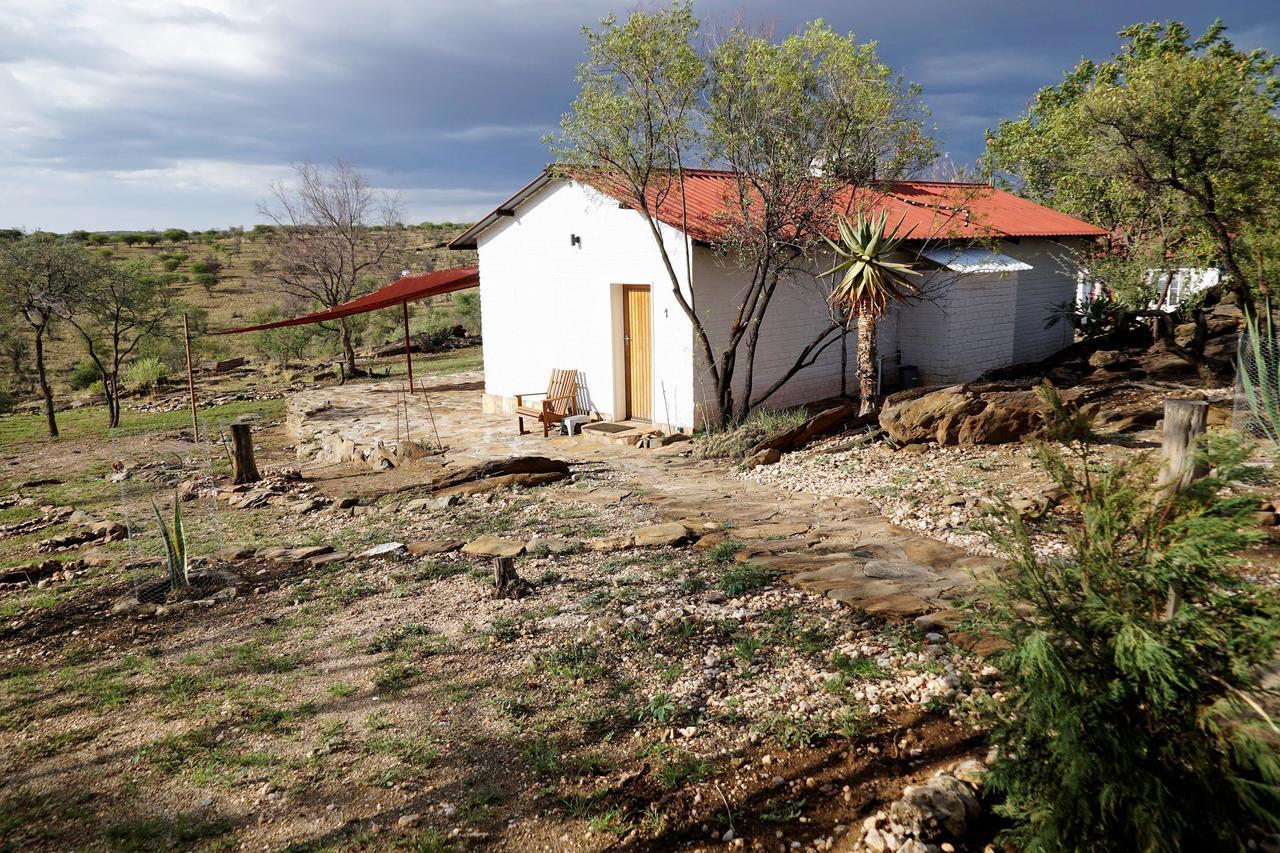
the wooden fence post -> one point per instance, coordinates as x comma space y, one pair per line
1184, 421
243, 467
191, 379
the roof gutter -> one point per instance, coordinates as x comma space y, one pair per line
469, 239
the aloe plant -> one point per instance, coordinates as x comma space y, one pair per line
175, 544
869, 282
1258, 369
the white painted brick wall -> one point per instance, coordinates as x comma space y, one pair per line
1051, 282
797, 312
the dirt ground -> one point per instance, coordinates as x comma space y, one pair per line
310, 698
647, 699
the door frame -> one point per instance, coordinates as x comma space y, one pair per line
622, 376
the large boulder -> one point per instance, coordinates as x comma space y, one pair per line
963, 414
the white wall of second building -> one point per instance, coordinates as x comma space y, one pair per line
548, 303
796, 314
977, 322
1049, 283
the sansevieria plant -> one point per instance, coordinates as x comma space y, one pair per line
175, 544
869, 283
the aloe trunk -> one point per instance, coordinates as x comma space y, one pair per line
866, 349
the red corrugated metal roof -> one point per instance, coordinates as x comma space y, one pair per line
407, 288
929, 210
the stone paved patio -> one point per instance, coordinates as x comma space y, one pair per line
838, 547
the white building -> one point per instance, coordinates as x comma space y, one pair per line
570, 277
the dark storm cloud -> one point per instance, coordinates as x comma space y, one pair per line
143, 113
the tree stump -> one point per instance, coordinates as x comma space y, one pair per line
243, 467
1184, 420
506, 583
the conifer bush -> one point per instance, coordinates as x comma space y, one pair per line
1127, 729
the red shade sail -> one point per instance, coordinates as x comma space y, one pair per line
406, 289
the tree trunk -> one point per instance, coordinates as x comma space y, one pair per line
348, 351
867, 362
243, 467
112, 392
49, 416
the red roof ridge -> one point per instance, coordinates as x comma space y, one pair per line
988, 212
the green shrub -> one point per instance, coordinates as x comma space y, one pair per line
207, 265
171, 264
144, 373
1128, 726
83, 375
734, 441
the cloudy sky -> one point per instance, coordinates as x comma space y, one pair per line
155, 113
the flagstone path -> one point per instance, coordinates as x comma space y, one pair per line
838, 547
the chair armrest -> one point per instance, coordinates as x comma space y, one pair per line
547, 403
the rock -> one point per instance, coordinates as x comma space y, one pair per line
109, 530
551, 545
501, 468
898, 570
972, 772
1107, 360
674, 438
898, 606
940, 620
326, 559
382, 550
1264, 519
655, 535
608, 543
423, 547
953, 500
990, 413
345, 502
491, 484
407, 820
493, 546
1226, 310
308, 552
770, 530
710, 540
822, 423
767, 456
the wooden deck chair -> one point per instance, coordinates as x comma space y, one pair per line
559, 402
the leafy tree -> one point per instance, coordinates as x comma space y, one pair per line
125, 305
1173, 144
44, 278
175, 235
797, 123
323, 246
1130, 727
287, 343
651, 104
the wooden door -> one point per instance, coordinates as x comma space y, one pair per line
637, 342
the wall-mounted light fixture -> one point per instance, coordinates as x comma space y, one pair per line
575, 240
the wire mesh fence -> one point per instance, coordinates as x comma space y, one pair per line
1256, 409
170, 504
